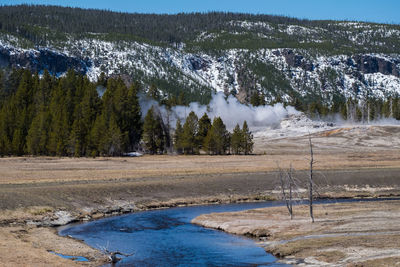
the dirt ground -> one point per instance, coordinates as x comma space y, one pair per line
344, 234
36, 190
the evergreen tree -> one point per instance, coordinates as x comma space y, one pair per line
126, 109
203, 128
21, 113
217, 139
5, 145
59, 126
6, 131
78, 135
190, 130
209, 142
134, 117
85, 116
37, 138
178, 137
237, 140
45, 87
98, 138
18, 143
114, 138
247, 141
153, 136
396, 108
65, 116
257, 100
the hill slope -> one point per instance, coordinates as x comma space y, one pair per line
323, 66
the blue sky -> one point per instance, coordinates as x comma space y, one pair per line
386, 11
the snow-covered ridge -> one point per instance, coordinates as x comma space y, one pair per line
222, 73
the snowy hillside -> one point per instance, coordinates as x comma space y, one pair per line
280, 61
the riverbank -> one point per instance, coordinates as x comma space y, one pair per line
344, 234
339, 229
31, 232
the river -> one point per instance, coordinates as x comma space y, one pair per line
167, 238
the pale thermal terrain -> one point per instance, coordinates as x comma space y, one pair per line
291, 136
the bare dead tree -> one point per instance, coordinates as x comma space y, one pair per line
311, 182
283, 187
291, 183
112, 256
287, 183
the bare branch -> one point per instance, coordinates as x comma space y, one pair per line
310, 187
112, 255
287, 183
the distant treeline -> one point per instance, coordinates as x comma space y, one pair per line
355, 110
69, 116
39, 24
195, 135
66, 117
25, 19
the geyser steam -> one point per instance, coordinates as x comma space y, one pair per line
230, 110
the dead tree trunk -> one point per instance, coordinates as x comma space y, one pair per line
288, 183
113, 255
311, 182
290, 180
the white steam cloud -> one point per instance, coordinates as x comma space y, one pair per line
229, 109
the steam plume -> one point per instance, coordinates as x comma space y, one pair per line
230, 110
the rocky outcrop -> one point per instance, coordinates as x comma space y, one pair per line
294, 60
39, 60
198, 63
373, 64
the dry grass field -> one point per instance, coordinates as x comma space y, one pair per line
37, 170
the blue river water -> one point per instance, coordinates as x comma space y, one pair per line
167, 238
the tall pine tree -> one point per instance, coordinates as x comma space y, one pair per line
153, 136
189, 137
236, 141
247, 139
178, 137
217, 139
203, 128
